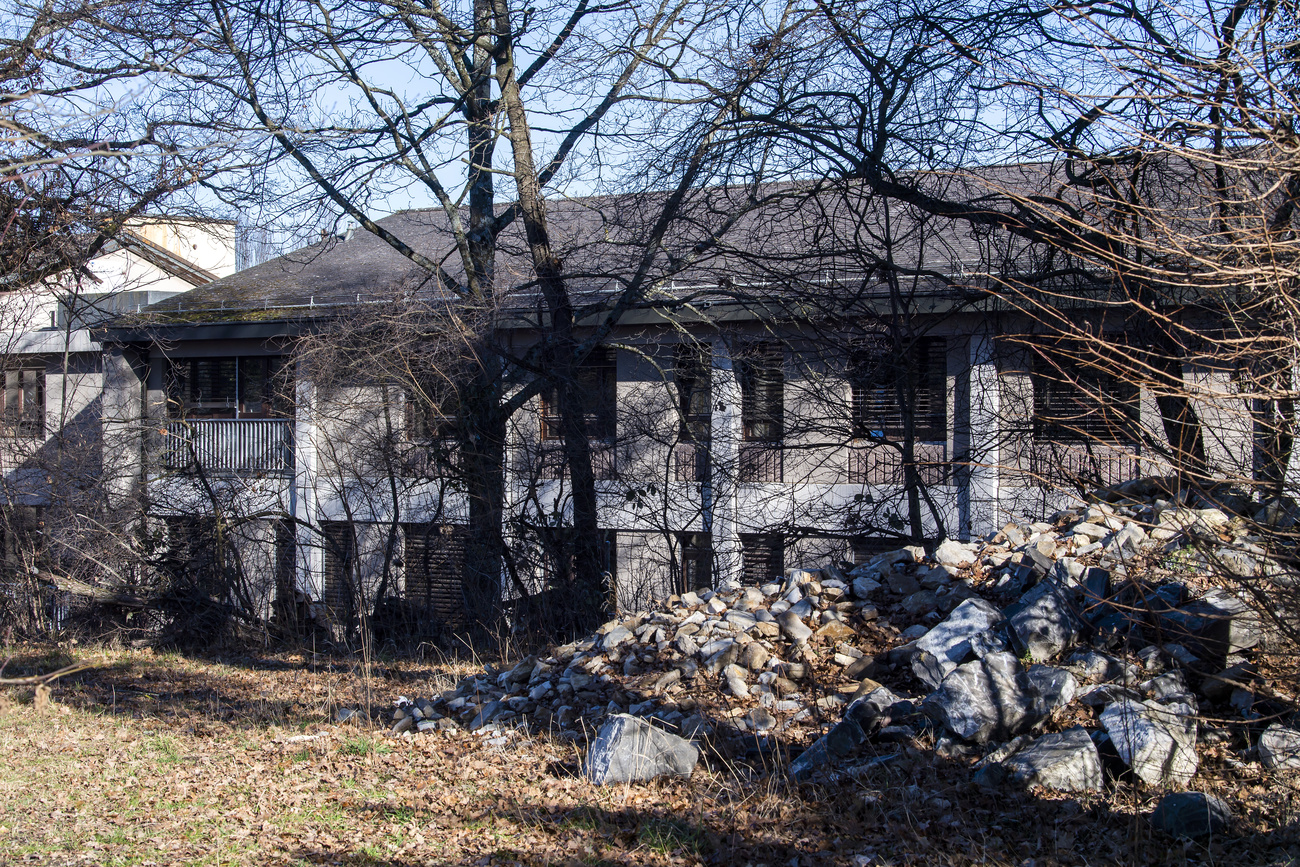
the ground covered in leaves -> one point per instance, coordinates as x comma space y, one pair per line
157, 758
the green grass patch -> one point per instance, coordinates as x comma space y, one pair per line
666, 836
365, 745
166, 747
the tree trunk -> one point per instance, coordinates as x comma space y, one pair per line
585, 603
482, 448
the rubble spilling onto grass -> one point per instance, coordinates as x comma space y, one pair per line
1092, 645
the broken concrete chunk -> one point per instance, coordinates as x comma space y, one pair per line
949, 643
1157, 741
1279, 747
1066, 761
630, 750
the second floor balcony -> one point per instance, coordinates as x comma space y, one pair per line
262, 446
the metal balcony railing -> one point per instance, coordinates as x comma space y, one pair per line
252, 445
878, 464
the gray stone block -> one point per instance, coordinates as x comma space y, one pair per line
1044, 622
1279, 747
1066, 761
1157, 741
629, 750
991, 698
949, 643
1191, 814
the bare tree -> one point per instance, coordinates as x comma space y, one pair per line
475, 107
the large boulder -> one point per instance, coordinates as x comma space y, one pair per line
990, 698
1279, 747
1191, 814
1157, 741
1044, 622
862, 719
949, 643
1066, 761
630, 750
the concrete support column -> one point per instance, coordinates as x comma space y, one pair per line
985, 413
720, 501
123, 419
310, 565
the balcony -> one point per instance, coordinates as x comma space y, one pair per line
761, 462
1082, 464
882, 465
261, 446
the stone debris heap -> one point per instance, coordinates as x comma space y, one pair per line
1056, 653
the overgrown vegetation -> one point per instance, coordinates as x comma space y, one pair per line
168, 759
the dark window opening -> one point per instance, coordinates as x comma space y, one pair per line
24, 402
694, 561
1076, 402
435, 569
762, 558
230, 387
879, 375
597, 384
692, 375
762, 392
340, 587
431, 411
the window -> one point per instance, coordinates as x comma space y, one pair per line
762, 558
431, 410
340, 569
230, 387
24, 402
435, 569
879, 374
692, 376
1076, 402
694, 561
597, 385
762, 387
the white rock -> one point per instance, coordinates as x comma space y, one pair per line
1157, 742
1279, 747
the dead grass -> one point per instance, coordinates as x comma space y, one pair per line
164, 759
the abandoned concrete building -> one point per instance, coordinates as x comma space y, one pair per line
745, 414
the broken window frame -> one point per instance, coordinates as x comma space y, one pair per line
877, 411
23, 401
230, 387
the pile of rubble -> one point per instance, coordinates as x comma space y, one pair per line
1101, 616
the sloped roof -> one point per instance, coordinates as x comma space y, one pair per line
722, 244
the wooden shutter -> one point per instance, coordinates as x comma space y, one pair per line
340, 568
762, 558
435, 569
877, 375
